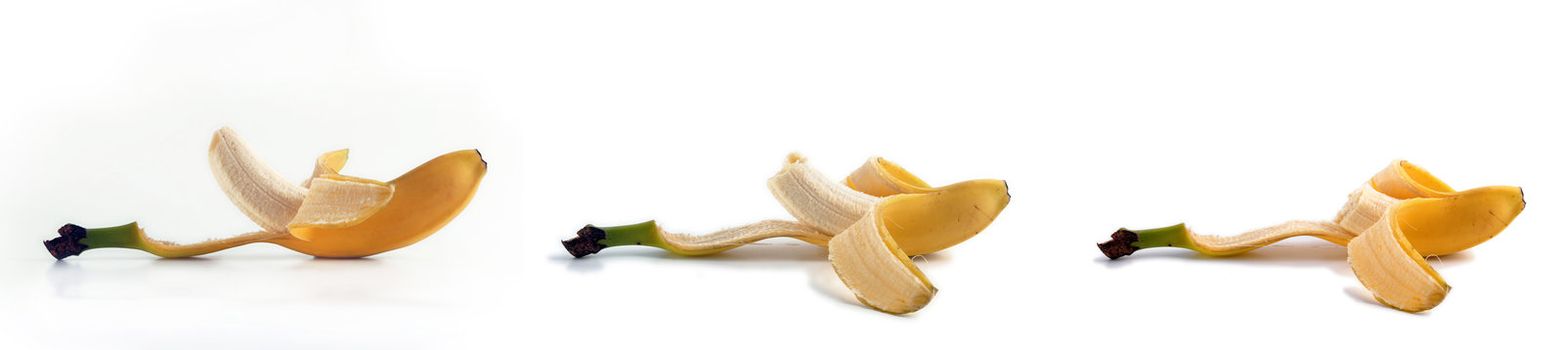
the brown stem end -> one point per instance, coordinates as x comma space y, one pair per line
68, 244
1121, 244
585, 242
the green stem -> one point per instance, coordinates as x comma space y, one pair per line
592, 239
1125, 242
75, 239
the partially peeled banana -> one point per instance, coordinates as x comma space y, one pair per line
329, 215
870, 224
1389, 226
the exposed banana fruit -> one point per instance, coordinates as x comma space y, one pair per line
1400, 216
869, 234
329, 215
257, 190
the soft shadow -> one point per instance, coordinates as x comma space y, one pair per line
757, 254
334, 264
581, 265
1367, 298
1276, 255
1361, 295
823, 279
190, 261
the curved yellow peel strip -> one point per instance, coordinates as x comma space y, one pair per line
881, 178
1395, 272
1228, 245
868, 261
715, 242
329, 163
1404, 180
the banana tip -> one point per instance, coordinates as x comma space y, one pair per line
1120, 245
585, 243
68, 244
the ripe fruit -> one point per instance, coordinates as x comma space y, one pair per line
1402, 215
330, 215
869, 225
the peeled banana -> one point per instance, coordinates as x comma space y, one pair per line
870, 224
329, 215
1389, 225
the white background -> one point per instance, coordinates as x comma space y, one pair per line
1228, 115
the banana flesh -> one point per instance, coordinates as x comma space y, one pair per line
258, 191
815, 200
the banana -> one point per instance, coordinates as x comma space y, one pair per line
822, 208
1401, 215
329, 215
869, 232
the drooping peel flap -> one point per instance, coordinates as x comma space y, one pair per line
871, 235
1389, 267
880, 275
1404, 180
329, 163
882, 178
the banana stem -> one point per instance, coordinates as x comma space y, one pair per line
592, 239
75, 239
1125, 242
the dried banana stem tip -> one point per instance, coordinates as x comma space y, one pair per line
1121, 244
68, 244
585, 242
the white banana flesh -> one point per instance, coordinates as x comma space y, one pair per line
327, 199
815, 200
